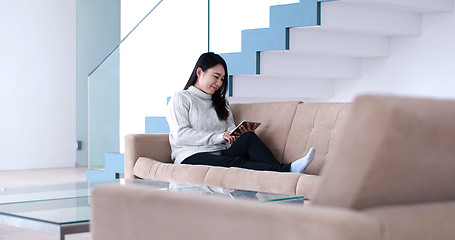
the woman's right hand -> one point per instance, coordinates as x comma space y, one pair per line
230, 139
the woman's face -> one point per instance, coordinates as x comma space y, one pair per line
210, 80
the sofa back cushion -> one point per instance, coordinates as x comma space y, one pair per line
276, 119
393, 150
315, 125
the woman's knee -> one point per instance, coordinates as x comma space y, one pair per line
249, 135
237, 162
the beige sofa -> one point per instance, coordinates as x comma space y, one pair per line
391, 176
289, 129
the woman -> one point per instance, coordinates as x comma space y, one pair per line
200, 122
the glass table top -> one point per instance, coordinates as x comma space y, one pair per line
234, 193
70, 202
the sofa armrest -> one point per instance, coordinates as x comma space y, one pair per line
138, 212
417, 221
154, 146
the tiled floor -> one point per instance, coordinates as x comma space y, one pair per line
38, 176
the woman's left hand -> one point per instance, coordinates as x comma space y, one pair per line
249, 128
230, 139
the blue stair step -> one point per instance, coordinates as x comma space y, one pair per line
100, 175
114, 166
115, 162
156, 125
242, 63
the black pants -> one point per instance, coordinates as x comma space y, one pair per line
247, 152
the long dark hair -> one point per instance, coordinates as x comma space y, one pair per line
206, 61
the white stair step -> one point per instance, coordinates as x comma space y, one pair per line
352, 17
422, 6
294, 64
317, 40
282, 88
233, 100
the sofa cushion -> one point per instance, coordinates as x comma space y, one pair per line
315, 125
262, 181
236, 178
147, 168
276, 119
394, 150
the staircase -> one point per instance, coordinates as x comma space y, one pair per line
326, 43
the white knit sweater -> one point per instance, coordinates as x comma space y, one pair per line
194, 125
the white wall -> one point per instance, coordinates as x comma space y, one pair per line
37, 83
418, 66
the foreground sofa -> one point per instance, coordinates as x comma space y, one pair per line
391, 176
289, 129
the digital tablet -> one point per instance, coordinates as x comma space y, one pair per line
237, 132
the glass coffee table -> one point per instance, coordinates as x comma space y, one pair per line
62, 209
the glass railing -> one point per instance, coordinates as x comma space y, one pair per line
156, 59
150, 64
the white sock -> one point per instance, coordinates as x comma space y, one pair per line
300, 164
